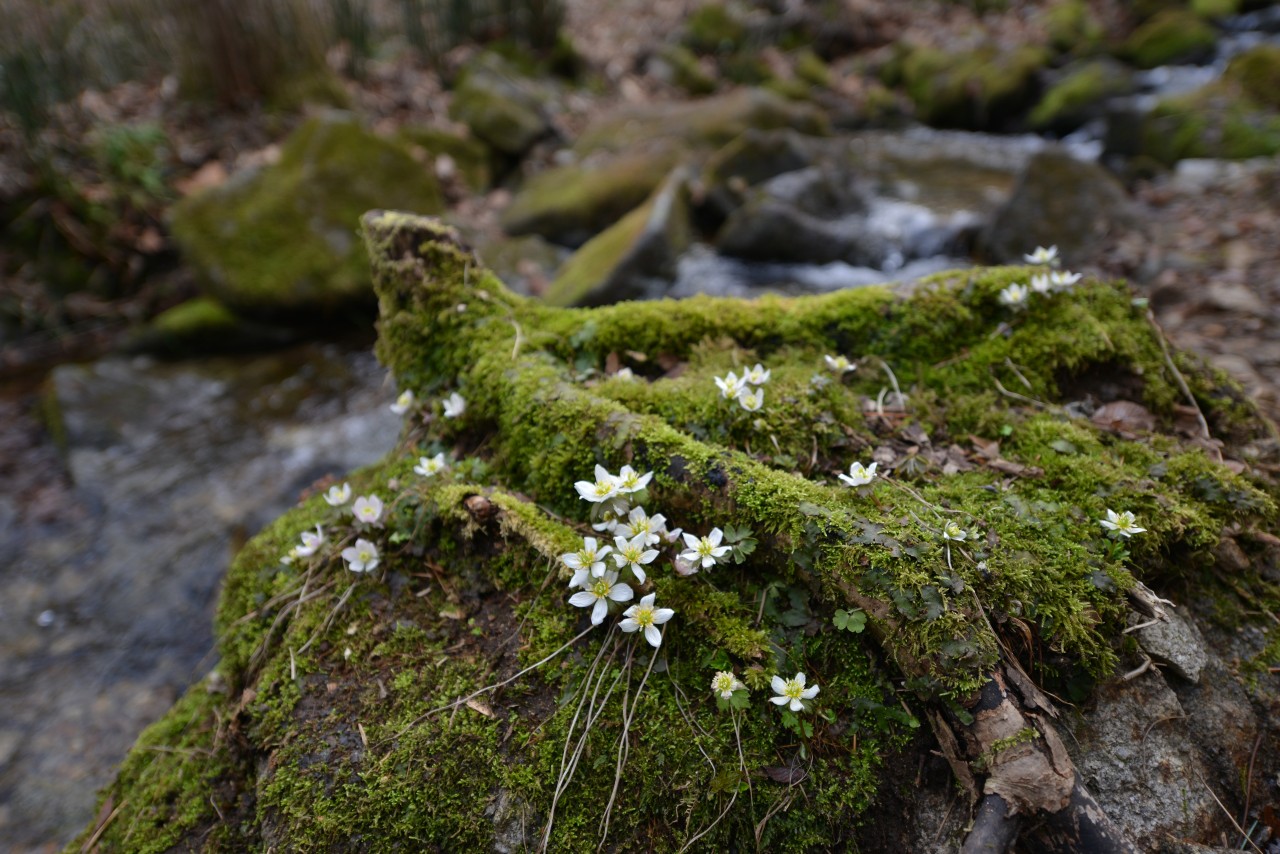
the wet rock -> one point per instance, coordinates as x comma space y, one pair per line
635, 258
1060, 201
1079, 93
1174, 35
1257, 71
1219, 120
281, 240
979, 89
204, 325
1176, 642
501, 109
572, 204
754, 157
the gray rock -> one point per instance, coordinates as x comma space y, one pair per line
1176, 642
754, 157
501, 110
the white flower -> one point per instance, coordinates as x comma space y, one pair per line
683, 567
1041, 284
311, 543
839, 364
632, 553
752, 400
454, 405
952, 531
368, 509
624, 374
604, 488
792, 691
725, 683
431, 466
757, 375
338, 495
859, 476
1042, 255
597, 594
629, 480
1015, 295
706, 550
1122, 523
731, 385
362, 557
587, 562
645, 616
640, 524
1063, 281
403, 403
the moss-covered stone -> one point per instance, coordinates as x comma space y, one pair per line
1218, 120
1073, 27
708, 122
204, 325
714, 28
1171, 36
632, 259
571, 204
343, 726
1257, 71
981, 89
470, 156
499, 107
1078, 96
753, 157
281, 241
684, 70
811, 69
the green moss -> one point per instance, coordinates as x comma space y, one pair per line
977, 89
1218, 120
687, 72
1069, 102
1172, 35
1073, 27
1209, 9
1257, 71
283, 241
811, 69
469, 155
712, 29
498, 109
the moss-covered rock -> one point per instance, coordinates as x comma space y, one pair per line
502, 109
1257, 72
633, 259
1073, 27
714, 28
571, 204
1174, 35
281, 240
453, 700
753, 157
704, 123
1079, 95
1218, 120
984, 88
204, 325
469, 156
682, 68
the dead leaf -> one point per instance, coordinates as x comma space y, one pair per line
210, 175
783, 774
1125, 418
480, 706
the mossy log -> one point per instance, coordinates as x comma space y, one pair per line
453, 700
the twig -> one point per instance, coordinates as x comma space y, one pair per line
1182, 383
328, 621
1016, 396
1248, 777
92, 841
1227, 813
1017, 373
1139, 670
624, 746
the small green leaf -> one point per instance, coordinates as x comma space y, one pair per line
1062, 446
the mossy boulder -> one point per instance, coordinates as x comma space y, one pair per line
633, 259
501, 108
1079, 95
571, 204
470, 156
701, 124
1219, 120
1174, 35
1073, 27
682, 68
714, 28
204, 325
984, 88
1257, 72
752, 158
452, 699
281, 240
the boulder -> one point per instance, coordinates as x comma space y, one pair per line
1079, 95
755, 156
453, 697
469, 156
1219, 120
203, 325
501, 109
984, 88
1174, 35
1059, 200
280, 241
633, 259
571, 204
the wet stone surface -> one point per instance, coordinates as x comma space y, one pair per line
112, 553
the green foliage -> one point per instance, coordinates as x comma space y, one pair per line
135, 157
850, 621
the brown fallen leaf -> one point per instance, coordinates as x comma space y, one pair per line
480, 706
784, 774
1125, 418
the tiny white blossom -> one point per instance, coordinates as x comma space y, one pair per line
1042, 255
640, 524
1014, 296
403, 402
645, 616
362, 557
368, 509
839, 364
604, 488
684, 568
859, 476
752, 400
725, 683
705, 550
1063, 281
952, 531
598, 593
431, 466
454, 405
624, 374
586, 562
630, 480
311, 543
792, 691
757, 375
338, 495
633, 553
731, 385
1123, 524
1041, 284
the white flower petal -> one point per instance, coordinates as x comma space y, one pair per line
599, 611
583, 599
796, 706
810, 692
778, 684
628, 625
779, 700
621, 592
653, 636
661, 615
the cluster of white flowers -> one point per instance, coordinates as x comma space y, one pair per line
454, 405
1053, 281
1123, 524
747, 389
793, 692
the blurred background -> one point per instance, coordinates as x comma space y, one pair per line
185, 310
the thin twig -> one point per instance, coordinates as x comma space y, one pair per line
1016, 396
1248, 777
1227, 813
1182, 383
102, 828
